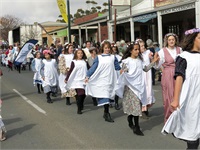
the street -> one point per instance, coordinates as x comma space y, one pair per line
32, 123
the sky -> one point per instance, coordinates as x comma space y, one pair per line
31, 11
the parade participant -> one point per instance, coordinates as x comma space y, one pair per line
133, 82
9, 55
184, 122
2, 126
76, 76
86, 50
65, 60
101, 78
49, 75
3, 59
93, 53
167, 56
36, 65
147, 56
115, 52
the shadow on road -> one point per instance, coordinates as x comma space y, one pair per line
7, 96
10, 121
20, 130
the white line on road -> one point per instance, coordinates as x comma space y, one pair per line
31, 103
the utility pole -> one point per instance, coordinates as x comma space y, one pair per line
69, 21
109, 9
115, 26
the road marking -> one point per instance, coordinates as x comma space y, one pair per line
30, 102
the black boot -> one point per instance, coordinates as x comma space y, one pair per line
49, 100
68, 101
42, 88
78, 101
82, 101
116, 103
94, 101
192, 144
38, 87
136, 129
107, 117
130, 121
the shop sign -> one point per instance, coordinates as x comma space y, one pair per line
160, 3
145, 18
177, 9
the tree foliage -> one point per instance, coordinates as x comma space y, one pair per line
8, 22
92, 8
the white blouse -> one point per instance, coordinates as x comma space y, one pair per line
161, 54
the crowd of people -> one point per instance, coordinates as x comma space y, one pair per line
109, 71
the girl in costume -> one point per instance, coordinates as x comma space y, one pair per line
184, 122
76, 76
2, 126
49, 75
102, 78
64, 66
131, 85
115, 52
36, 65
167, 56
147, 56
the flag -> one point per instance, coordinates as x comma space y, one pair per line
62, 6
26, 48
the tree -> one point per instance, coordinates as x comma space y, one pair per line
104, 10
105, 5
87, 12
93, 10
31, 33
60, 19
98, 8
8, 22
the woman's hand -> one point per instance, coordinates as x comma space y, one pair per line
150, 55
43, 78
175, 104
65, 81
86, 80
156, 57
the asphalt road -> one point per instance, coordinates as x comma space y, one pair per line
32, 123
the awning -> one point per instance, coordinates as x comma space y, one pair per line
145, 18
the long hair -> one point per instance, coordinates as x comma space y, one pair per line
103, 45
166, 39
188, 41
76, 57
127, 53
66, 48
117, 50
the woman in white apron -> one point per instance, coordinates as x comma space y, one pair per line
131, 85
184, 122
49, 75
36, 65
65, 60
102, 78
76, 77
147, 55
